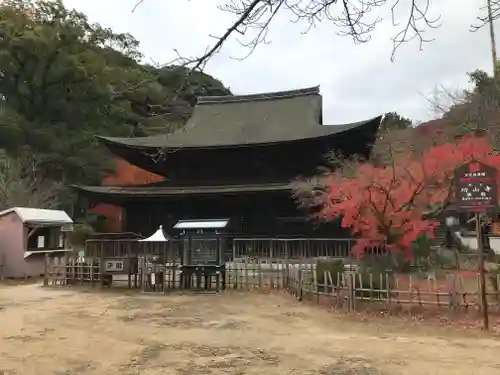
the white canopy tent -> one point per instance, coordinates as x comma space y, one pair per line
158, 236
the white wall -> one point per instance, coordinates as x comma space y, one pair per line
471, 242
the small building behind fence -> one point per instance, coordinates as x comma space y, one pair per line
27, 234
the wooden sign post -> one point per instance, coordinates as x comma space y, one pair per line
476, 192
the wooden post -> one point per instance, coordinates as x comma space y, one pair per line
247, 287
46, 271
101, 270
388, 285
484, 301
82, 265
129, 265
65, 268
300, 281
91, 271
350, 290
73, 270
287, 267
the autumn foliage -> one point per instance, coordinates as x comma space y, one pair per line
125, 174
394, 204
128, 174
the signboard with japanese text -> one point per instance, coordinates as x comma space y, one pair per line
114, 265
123, 266
476, 188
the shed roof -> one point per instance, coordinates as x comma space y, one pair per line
202, 224
39, 215
225, 121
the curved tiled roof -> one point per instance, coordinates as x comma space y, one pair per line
256, 97
229, 121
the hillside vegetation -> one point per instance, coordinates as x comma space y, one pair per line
63, 80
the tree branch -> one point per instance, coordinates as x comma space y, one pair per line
352, 18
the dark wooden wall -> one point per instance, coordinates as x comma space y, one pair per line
265, 163
268, 214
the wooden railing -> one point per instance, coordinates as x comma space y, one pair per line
291, 248
264, 249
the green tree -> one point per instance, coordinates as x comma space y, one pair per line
394, 121
477, 109
59, 84
64, 79
22, 185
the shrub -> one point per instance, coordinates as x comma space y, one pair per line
495, 258
421, 249
335, 267
373, 284
493, 277
375, 273
377, 263
372, 274
80, 233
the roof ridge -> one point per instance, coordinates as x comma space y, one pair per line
314, 90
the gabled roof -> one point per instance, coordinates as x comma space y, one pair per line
228, 121
39, 216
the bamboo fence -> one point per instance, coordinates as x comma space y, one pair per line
346, 290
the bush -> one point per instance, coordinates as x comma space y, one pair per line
493, 277
377, 263
373, 284
335, 267
80, 233
379, 281
494, 258
421, 249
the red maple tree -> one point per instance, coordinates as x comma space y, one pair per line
394, 204
125, 174
129, 174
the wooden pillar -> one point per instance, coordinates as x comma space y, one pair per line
46, 270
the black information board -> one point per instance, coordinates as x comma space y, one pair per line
476, 187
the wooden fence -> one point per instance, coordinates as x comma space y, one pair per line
295, 248
347, 290
238, 248
238, 275
291, 248
354, 291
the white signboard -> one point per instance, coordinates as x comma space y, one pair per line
113, 265
40, 242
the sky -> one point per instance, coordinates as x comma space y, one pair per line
357, 81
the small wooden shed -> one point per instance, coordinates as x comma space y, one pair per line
26, 235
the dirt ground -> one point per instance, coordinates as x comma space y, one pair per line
47, 331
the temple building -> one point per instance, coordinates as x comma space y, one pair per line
236, 158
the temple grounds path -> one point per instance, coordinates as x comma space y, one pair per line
46, 331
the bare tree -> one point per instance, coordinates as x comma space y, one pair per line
22, 185
492, 13
476, 110
353, 18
